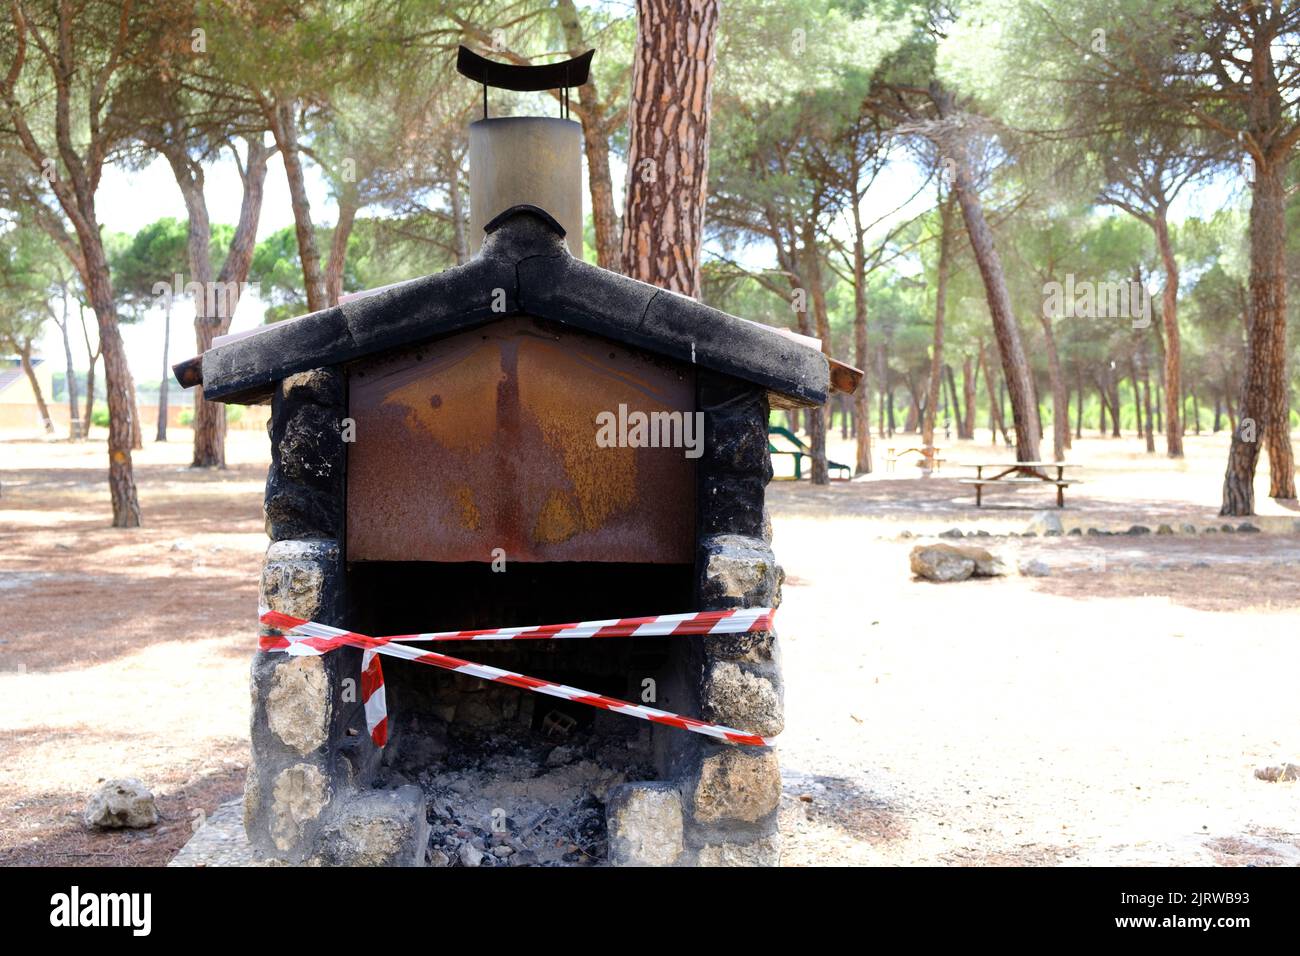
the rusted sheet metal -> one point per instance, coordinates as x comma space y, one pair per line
844, 377
488, 439
190, 372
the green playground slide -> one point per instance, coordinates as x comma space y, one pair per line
799, 451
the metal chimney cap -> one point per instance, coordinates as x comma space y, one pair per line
524, 79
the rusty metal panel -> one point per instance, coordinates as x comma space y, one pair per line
488, 439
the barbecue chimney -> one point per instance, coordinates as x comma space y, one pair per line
526, 160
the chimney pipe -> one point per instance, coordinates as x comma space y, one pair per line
526, 159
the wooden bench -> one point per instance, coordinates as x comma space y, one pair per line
932, 457
1021, 473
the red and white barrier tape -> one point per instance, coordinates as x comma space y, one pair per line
737, 621
302, 637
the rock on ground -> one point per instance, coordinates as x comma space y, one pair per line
951, 562
1035, 568
120, 804
1285, 774
1044, 522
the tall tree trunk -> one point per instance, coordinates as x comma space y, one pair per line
1060, 399
137, 429
87, 420
915, 408
1137, 394
1038, 406
160, 434
1264, 408
1078, 410
596, 130
668, 149
996, 421
1196, 413
74, 188
118, 384
813, 274
284, 126
1015, 370
1172, 340
1146, 400
882, 376
969, 374
1142, 399
209, 417
74, 411
338, 257
861, 353
213, 312
1103, 397
936, 349
24, 350
953, 403
1015, 367
459, 234
1116, 406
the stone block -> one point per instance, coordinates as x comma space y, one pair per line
298, 703
321, 386
376, 828
765, 851
645, 824
299, 796
301, 578
736, 784
737, 571
742, 698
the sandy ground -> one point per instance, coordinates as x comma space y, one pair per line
125, 653
1110, 712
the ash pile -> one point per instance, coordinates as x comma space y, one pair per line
497, 800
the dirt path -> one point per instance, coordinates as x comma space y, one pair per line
1031, 720
125, 653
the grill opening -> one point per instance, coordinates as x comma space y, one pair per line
509, 767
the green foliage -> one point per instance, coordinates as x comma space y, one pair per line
380, 252
144, 266
25, 286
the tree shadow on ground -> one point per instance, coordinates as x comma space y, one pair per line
843, 804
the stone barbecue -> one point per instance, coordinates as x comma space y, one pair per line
523, 439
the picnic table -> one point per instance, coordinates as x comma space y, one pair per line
929, 457
1020, 472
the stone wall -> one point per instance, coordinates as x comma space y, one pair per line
720, 808
307, 797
